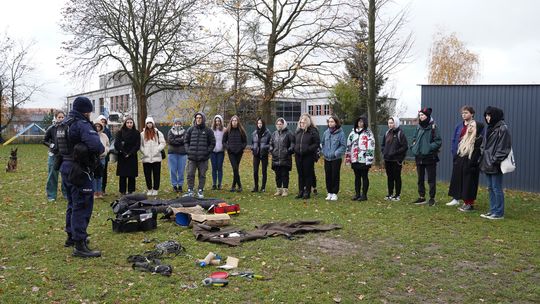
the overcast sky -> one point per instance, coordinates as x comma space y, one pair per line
505, 34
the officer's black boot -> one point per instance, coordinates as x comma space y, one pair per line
69, 241
81, 250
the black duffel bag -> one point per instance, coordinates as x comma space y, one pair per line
135, 220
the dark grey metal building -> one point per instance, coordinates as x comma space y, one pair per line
521, 106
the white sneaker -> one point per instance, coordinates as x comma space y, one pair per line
329, 196
454, 202
155, 192
334, 197
150, 192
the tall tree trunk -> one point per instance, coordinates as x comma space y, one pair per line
141, 106
1, 127
267, 102
372, 93
237, 64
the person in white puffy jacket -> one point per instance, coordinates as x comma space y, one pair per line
152, 143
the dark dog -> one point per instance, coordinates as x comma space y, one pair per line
12, 162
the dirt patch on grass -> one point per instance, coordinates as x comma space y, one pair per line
333, 246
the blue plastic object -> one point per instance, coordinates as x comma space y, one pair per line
183, 219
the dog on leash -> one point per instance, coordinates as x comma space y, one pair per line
12, 162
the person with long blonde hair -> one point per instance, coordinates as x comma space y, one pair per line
467, 115
465, 172
307, 142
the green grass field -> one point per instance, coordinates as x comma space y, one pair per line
389, 252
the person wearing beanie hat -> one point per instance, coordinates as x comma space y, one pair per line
83, 105
425, 148
199, 142
218, 154
282, 149
177, 155
152, 143
497, 145
81, 134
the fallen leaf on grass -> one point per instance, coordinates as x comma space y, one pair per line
35, 289
337, 299
360, 297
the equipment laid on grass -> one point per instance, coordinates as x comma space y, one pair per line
211, 282
135, 220
210, 259
151, 262
225, 208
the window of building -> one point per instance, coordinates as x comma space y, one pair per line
290, 111
101, 105
318, 110
126, 102
113, 108
310, 110
327, 110
93, 105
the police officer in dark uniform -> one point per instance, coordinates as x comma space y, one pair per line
79, 147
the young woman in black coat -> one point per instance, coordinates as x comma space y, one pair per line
127, 143
307, 142
394, 147
466, 172
282, 149
235, 141
260, 144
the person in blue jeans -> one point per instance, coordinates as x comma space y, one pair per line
98, 180
52, 176
218, 154
334, 145
177, 155
496, 147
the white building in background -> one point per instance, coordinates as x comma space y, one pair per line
115, 97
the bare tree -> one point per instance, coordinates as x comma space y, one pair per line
236, 46
387, 48
291, 41
16, 85
155, 43
450, 62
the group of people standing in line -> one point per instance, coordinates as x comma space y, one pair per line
80, 149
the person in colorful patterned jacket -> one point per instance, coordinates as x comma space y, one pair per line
360, 153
